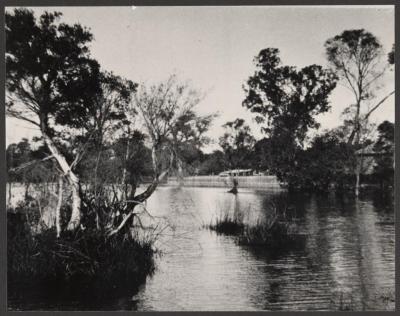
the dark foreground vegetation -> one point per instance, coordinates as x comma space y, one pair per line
86, 265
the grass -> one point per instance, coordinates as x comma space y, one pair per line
83, 265
270, 233
227, 225
278, 229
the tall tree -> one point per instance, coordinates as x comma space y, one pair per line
287, 101
51, 81
356, 57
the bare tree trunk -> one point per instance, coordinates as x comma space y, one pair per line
95, 171
356, 129
123, 181
358, 170
180, 171
58, 208
357, 188
73, 180
27, 185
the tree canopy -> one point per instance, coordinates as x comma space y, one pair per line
356, 57
285, 98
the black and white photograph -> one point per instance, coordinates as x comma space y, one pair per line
200, 158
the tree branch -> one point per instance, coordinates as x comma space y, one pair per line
378, 104
27, 164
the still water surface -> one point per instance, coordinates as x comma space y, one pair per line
348, 258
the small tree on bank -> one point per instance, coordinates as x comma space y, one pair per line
237, 144
167, 111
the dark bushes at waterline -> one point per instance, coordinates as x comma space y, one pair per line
270, 233
228, 225
277, 230
85, 264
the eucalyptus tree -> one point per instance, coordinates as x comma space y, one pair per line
53, 83
286, 101
357, 57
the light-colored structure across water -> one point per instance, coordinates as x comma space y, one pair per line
257, 181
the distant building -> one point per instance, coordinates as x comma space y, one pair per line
236, 173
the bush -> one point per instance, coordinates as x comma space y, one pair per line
85, 264
271, 233
278, 229
227, 224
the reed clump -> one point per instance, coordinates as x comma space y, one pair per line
227, 224
276, 230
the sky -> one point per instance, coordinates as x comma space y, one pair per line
214, 48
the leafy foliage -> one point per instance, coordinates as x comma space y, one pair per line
49, 70
384, 147
287, 98
355, 56
237, 144
24, 164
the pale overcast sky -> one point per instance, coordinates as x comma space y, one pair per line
214, 48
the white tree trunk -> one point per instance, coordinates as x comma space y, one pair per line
180, 171
357, 189
58, 208
124, 171
73, 180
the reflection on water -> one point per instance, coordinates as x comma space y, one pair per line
346, 262
348, 258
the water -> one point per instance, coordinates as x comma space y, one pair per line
348, 259
346, 262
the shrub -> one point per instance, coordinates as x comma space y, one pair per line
277, 230
227, 224
83, 264
270, 232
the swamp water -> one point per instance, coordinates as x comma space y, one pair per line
347, 261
